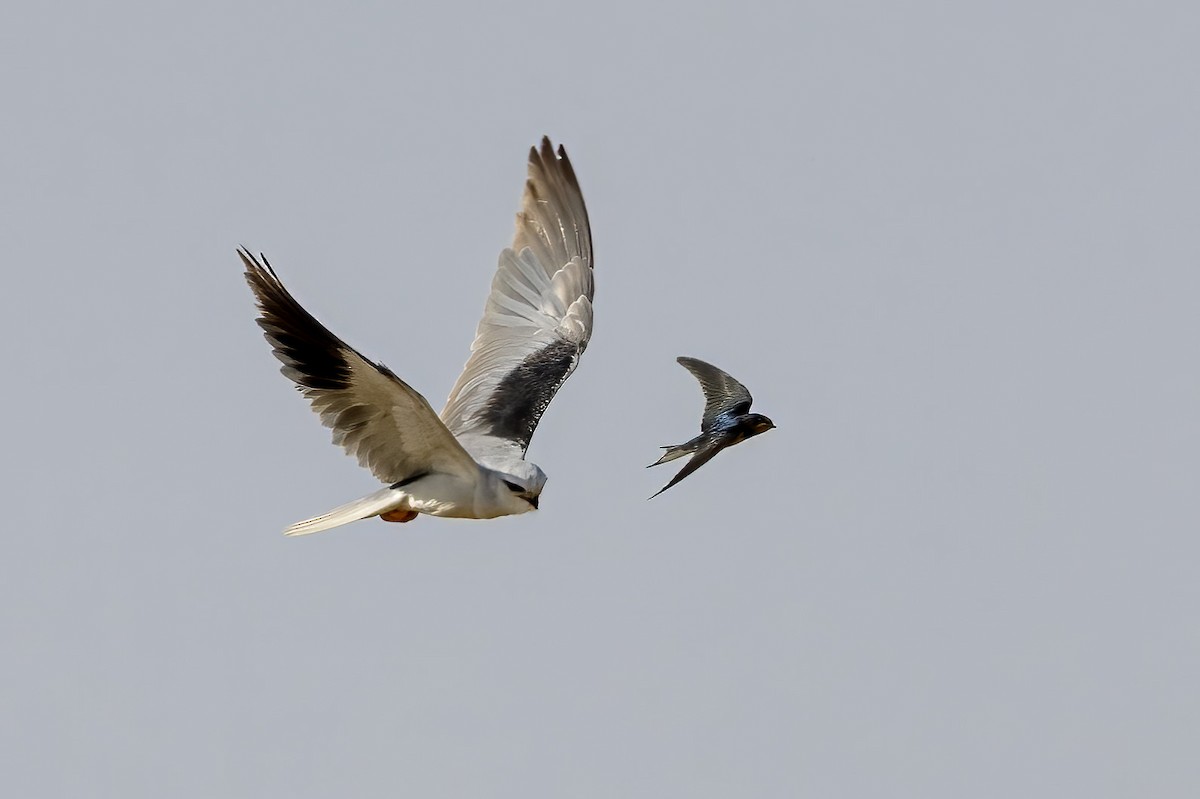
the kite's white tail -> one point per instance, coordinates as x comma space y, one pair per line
371, 505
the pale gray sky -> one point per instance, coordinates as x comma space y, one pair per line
951, 248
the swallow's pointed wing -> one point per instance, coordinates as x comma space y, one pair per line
537, 321
703, 455
723, 396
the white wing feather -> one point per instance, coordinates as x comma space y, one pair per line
375, 416
537, 320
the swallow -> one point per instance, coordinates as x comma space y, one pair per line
727, 419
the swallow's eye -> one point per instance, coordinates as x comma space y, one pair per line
516, 489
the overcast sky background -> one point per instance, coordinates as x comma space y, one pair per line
951, 248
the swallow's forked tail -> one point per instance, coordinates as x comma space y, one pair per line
674, 451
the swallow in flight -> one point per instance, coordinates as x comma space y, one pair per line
727, 419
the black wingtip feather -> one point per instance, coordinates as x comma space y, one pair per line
315, 356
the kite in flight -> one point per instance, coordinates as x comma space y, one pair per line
469, 461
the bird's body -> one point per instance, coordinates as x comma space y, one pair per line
485, 496
469, 461
726, 421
